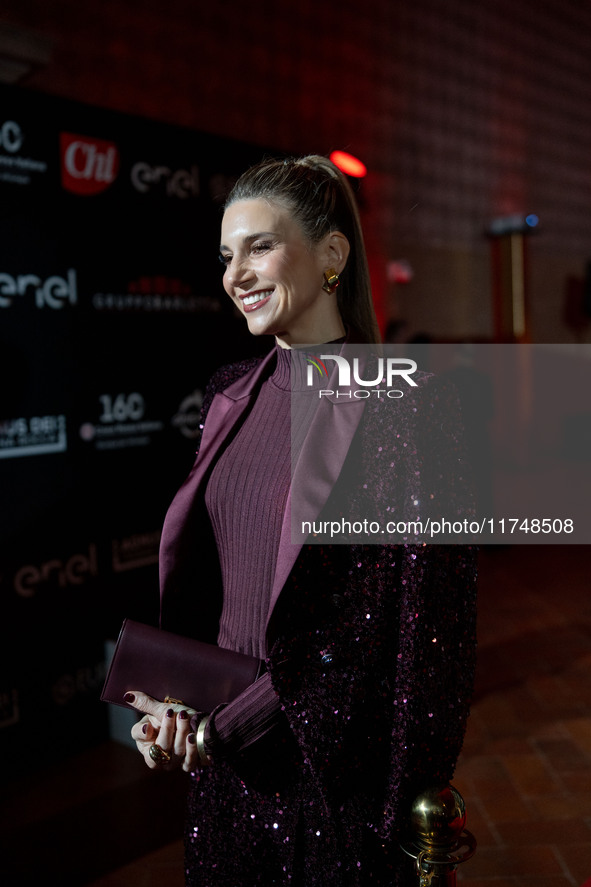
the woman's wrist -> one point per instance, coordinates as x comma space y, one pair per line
201, 741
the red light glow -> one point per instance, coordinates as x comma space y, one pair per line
349, 164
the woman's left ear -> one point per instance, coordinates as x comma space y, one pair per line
337, 251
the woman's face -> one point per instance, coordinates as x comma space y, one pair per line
275, 276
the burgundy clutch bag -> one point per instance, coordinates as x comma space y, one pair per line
172, 668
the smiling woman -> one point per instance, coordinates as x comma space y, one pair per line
307, 777
318, 199
276, 276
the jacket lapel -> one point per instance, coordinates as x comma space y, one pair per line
321, 459
226, 410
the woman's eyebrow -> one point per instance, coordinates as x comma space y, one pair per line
250, 238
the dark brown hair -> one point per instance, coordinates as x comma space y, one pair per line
321, 200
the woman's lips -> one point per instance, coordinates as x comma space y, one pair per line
254, 301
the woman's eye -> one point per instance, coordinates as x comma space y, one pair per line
225, 260
261, 246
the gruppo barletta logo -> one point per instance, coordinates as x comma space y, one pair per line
156, 294
89, 165
385, 370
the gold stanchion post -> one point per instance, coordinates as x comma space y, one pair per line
439, 841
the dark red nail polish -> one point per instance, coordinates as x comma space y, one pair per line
183, 715
145, 728
191, 738
130, 698
170, 713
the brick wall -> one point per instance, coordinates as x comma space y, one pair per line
462, 110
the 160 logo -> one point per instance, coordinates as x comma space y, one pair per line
121, 408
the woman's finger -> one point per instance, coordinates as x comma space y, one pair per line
165, 737
146, 728
183, 728
191, 759
150, 706
156, 733
156, 742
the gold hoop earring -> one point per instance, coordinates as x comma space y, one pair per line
331, 281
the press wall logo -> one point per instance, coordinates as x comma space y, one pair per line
51, 292
15, 165
11, 136
132, 552
33, 436
386, 371
179, 183
121, 423
82, 681
157, 294
89, 165
188, 417
57, 573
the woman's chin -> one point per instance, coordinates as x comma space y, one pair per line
259, 326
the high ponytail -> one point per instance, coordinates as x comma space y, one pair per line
321, 200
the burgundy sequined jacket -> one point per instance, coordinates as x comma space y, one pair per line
371, 648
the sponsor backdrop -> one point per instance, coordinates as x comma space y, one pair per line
112, 317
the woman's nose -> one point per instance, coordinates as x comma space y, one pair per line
238, 271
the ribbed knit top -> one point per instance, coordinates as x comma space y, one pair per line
246, 498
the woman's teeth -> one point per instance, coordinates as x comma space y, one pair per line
257, 297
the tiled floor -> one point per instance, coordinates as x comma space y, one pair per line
525, 771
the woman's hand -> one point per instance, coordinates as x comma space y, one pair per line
164, 736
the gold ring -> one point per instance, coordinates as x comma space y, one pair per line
158, 755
